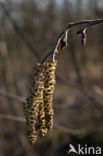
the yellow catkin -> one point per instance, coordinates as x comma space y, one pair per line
42, 123
31, 106
49, 73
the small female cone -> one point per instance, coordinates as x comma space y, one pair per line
31, 106
49, 74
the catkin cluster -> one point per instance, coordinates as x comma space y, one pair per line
38, 109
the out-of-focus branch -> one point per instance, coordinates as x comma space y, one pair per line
56, 126
77, 104
21, 100
92, 96
11, 117
78, 131
18, 30
12, 96
98, 99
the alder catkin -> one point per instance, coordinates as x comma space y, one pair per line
42, 123
31, 106
38, 109
49, 83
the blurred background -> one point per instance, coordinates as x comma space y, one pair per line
28, 29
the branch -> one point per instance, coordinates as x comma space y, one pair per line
18, 30
21, 100
98, 99
60, 128
63, 35
78, 131
12, 96
77, 104
89, 95
12, 117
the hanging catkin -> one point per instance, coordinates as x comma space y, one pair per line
41, 120
49, 73
31, 106
41, 116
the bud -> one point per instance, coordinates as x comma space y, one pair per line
63, 43
83, 36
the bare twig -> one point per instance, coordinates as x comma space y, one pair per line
64, 32
62, 35
92, 23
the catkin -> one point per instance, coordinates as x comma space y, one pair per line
49, 74
38, 109
41, 117
31, 106
41, 120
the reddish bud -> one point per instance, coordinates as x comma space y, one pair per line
83, 38
79, 32
63, 43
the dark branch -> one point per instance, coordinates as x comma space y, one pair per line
54, 50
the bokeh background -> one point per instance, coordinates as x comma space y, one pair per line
28, 29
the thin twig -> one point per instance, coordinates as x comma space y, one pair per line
54, 50
59, 37
67, 28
